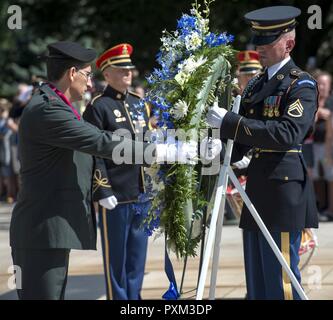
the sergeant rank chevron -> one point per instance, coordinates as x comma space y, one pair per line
296, 109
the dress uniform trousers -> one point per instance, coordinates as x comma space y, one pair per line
124, 246
262, 268
42, 273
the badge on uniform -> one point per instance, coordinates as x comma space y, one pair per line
118, 114
272, 106
296, 109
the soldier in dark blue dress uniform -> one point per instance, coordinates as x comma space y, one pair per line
277, 113
119, 187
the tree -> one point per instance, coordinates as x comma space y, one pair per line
101, 24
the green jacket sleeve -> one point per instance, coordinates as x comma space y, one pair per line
56, 125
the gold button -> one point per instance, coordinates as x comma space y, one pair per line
286, 178
251, 111
256, 155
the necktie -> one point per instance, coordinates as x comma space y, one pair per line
265, 76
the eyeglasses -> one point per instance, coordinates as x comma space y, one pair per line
88, 75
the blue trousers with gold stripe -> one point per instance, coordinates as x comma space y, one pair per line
265, 277
124, 246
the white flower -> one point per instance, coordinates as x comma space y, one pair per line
167, 43
157, 186
160, 186
193, 41
157, 183
203, 25
187, 67
234, 81
182, 78
191, 64
180, 109
200, 61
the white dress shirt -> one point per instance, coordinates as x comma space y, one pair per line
272, 70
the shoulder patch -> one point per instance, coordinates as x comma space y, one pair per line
95, 98
296, 109
306, 81
134, 94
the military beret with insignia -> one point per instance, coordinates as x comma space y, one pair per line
67, 50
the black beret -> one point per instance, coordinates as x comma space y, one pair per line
70, 50
269, 23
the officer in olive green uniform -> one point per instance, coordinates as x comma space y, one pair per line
54, 211
277, 113
124, 242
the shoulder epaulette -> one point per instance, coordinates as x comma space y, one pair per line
44, 96
296, 73
134, 94
93, 100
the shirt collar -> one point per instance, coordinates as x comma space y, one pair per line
115, 94
64, 99
272, 70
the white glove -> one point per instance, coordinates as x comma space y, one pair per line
242, 164
210, 148
109, 203
181, 152
215, 116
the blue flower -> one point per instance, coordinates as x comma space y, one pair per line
154, 222
161, 174
148, 232
156, 112
186, 23
166, 115
170, 125
151, 79
159, 57
210, 39
213, 40
158, 74
141, 208
143, 197
231, 38
160, 103
160, 123
139, 107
